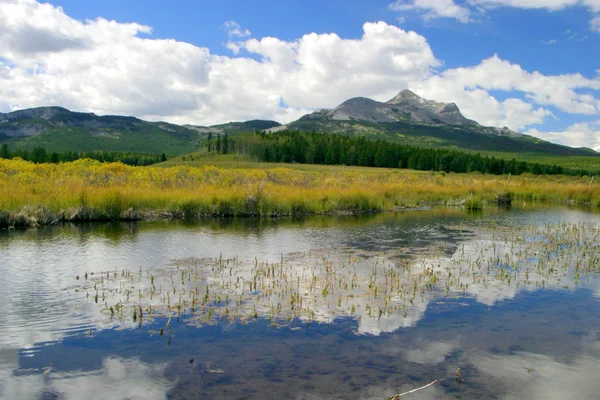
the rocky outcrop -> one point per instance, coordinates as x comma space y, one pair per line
406, 105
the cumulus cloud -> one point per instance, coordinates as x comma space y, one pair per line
469, 87
108, 67
383, 60
584, 134
432, 9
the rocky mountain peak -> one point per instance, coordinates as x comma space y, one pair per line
405, 106
405, 95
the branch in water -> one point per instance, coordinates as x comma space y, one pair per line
397, 396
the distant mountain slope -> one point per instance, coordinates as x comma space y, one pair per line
408, 118
58, 129
233, 128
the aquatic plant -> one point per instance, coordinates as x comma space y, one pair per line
382, 291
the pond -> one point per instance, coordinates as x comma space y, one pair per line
346, 307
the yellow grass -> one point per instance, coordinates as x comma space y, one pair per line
33, 194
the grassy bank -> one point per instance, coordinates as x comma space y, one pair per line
86, 190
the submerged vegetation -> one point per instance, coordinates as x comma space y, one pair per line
382, 291
87, 190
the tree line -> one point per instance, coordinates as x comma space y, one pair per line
334, 149
39, 155
218, 145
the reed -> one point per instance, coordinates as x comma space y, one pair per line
383, 291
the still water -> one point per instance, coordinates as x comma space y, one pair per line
294, 308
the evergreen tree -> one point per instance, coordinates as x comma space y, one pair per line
225, 144
5, 151
210, 141
218, 148
39, 155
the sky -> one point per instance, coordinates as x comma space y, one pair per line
531, 65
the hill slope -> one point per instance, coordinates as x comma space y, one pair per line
60, 130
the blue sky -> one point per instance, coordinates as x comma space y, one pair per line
534, 63
522, 36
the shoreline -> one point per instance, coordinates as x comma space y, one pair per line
86, 190
38, 217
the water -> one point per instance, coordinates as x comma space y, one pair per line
510, 340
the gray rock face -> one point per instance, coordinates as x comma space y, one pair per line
365, 109
404, 106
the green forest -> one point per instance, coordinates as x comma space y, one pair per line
39, 155
333, 149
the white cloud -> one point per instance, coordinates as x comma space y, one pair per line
595, 24
584, 134
107, 67
385, 59
552, 5
469, 87
432, 9
235, 30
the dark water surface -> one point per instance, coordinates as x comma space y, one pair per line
510, 341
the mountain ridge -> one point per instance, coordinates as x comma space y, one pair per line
406, 118
410, 119
59, 129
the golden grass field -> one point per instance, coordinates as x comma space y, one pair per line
36, 194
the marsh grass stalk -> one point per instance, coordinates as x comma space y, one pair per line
322, 286
86, 190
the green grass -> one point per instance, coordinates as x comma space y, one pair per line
574, 162
234, 161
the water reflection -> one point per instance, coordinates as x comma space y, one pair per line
116, 379
511, 340
504, 352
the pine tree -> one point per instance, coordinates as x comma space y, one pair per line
5, 151
225, 144
218, 148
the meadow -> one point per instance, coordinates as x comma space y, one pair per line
86, 190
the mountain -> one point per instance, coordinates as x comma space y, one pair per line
410, 119
233, 128
406, 118
406, 106
58, 129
